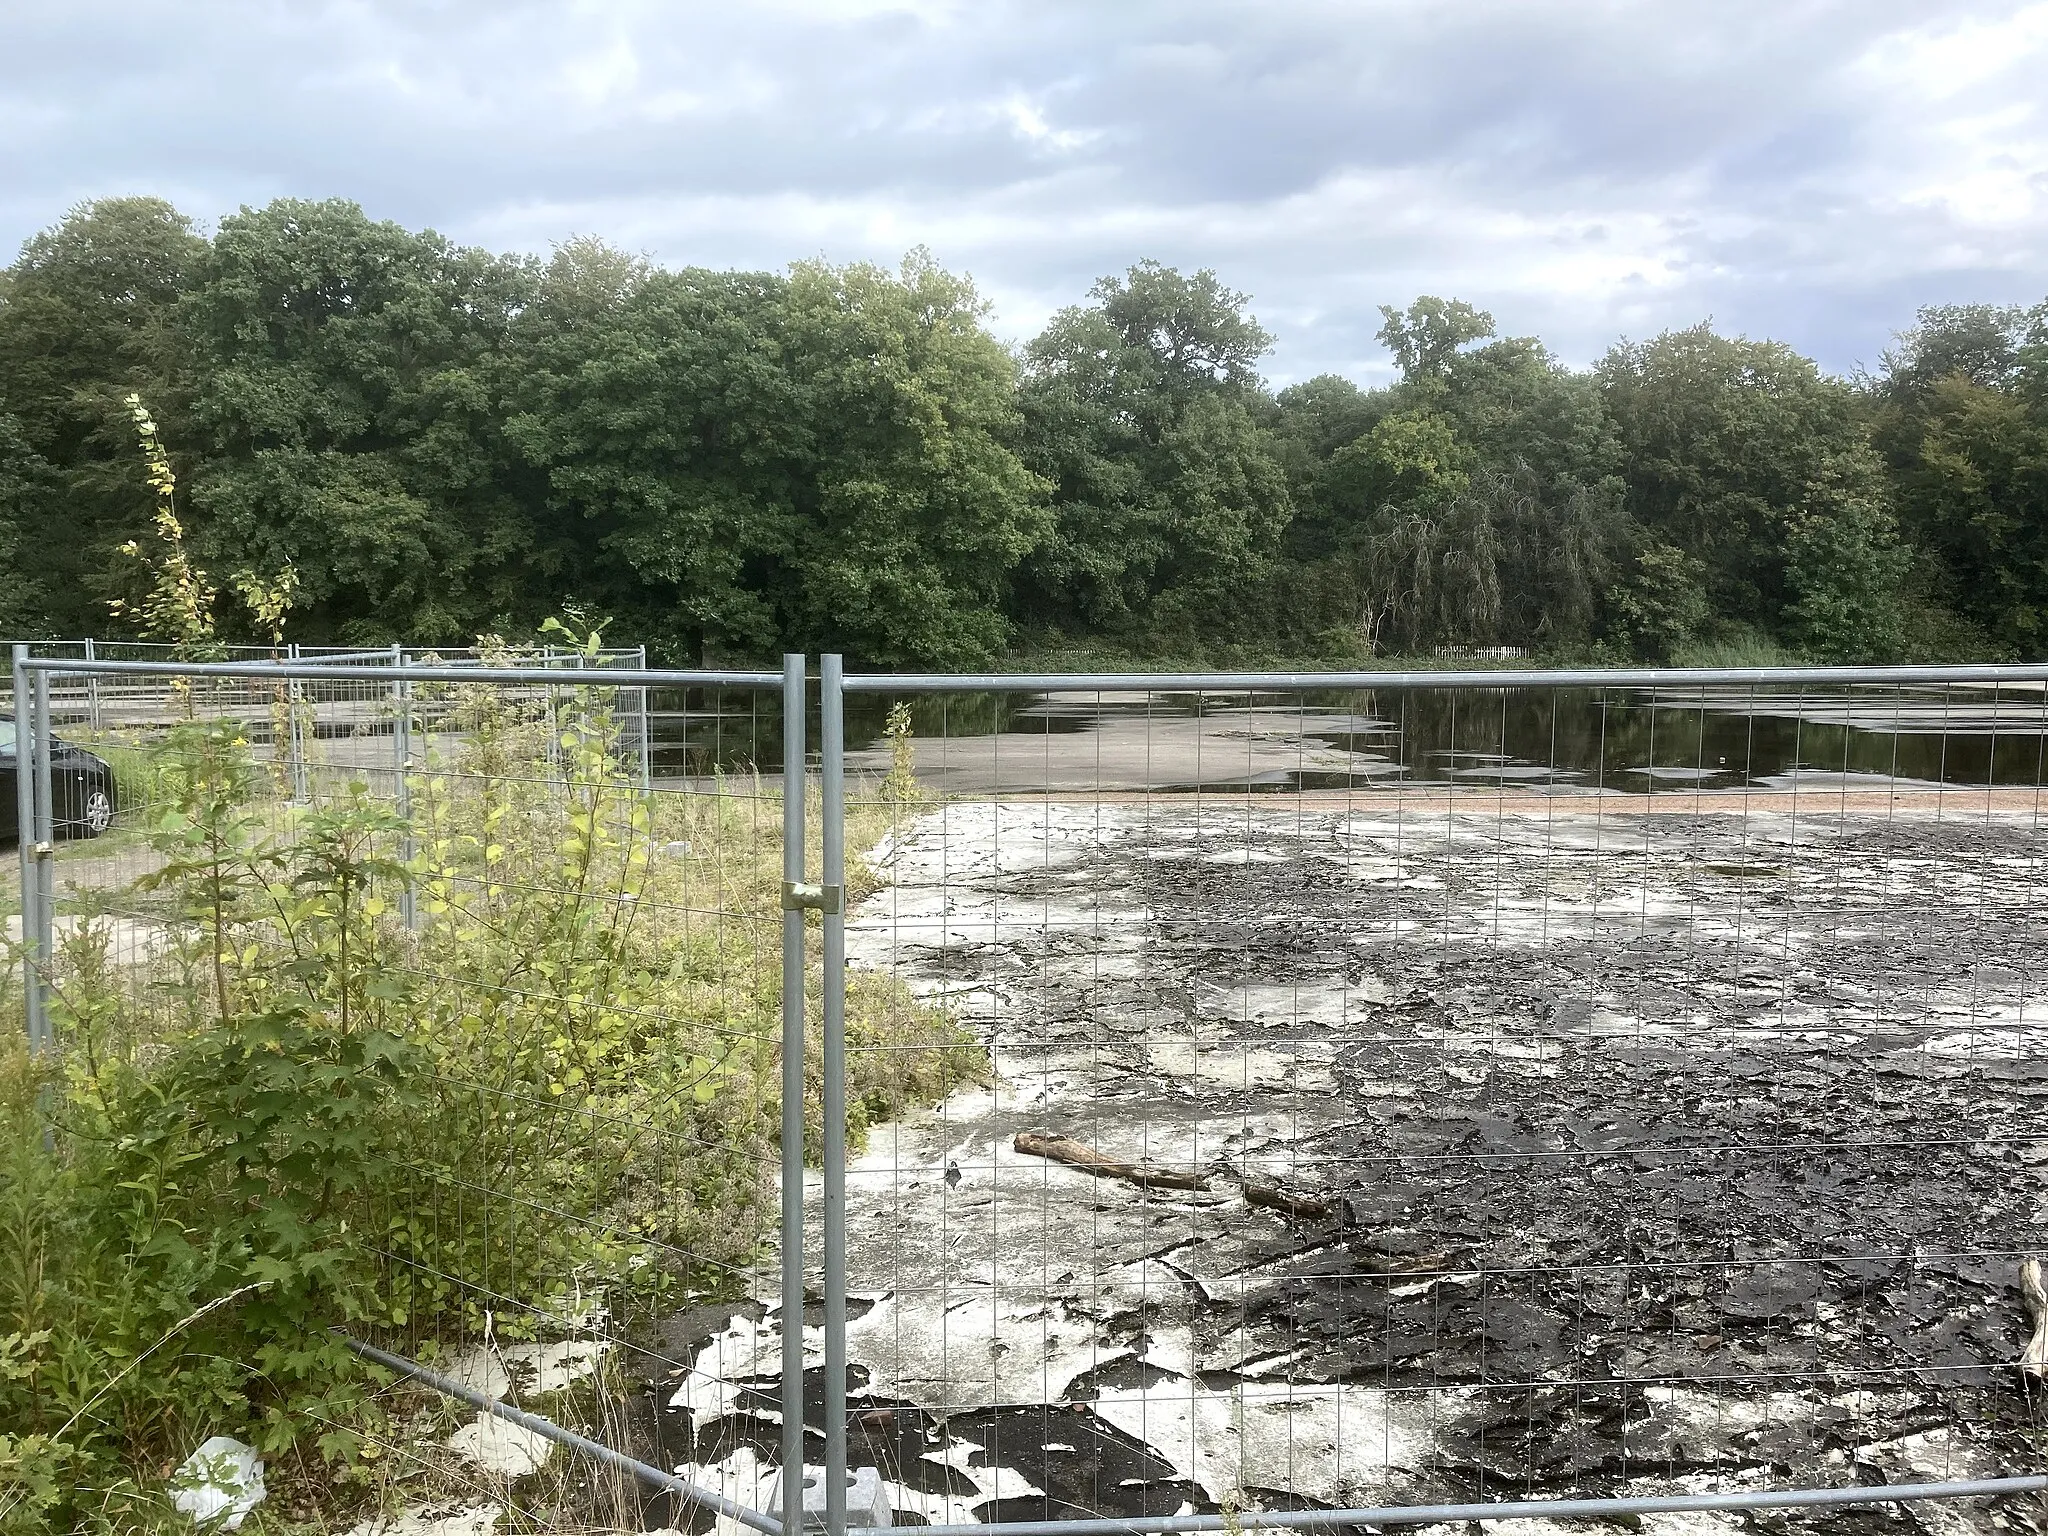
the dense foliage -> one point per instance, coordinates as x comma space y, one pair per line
295, 1111
436, 442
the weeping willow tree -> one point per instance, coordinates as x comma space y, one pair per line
1496, 564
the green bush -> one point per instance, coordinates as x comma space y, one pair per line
558, 1091
183, 1187
1663, 606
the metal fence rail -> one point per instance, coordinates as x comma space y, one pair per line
1293, 1100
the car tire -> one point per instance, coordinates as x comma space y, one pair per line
97, 814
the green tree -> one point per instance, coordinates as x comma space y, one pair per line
431, 441
28, 493
1746, 457
1145, 410
1313, 419
1492, 559
657, 416
1843, 565
1961, 415
1474, 502
1984, 344
1410, 457
915, 506
1519, 409
821, 459
346, 402
1662, 602
87, 318
1427, 337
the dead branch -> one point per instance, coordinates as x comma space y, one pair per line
2034, 1358
1272, 1197
1432, 1263
1076, 1154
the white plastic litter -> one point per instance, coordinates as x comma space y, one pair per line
534, 1368
497, 1445
867, 1501
218, 1484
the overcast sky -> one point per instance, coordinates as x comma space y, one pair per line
1803, 169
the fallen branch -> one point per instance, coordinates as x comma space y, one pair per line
1078, 1154
2034, 1358
1404, 1263
1272, 1197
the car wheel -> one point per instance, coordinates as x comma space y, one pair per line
99, 810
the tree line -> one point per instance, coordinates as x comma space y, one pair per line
397, 437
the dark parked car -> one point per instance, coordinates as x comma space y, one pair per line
81, 784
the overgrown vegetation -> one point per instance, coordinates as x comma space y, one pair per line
557, 1091
429, 442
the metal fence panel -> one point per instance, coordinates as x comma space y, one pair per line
104, 701
1421, 1098
602, 983
1359, 1099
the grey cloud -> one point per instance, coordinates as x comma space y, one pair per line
1581, 169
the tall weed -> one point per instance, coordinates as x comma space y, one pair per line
559, 1090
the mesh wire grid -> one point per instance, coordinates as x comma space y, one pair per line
589, 963
110, 702
1427, 1095
1344, 1096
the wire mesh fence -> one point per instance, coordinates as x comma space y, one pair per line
1437, 1092
1228, 1100
140, 699
445, 899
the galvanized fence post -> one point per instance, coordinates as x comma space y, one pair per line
45, 833
401, 758
793, 668
294, 690
646, 736
832, 876
24, 837
92, 686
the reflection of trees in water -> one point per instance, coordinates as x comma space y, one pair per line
704, 730
1597, 738
1589, 736
707, 730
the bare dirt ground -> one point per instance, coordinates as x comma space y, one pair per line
1683, 1145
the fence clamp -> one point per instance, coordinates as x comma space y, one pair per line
811, 898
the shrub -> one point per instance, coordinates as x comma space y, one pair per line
558, 1091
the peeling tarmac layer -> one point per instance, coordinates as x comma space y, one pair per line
1671, 1153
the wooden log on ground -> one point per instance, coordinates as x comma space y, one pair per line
1078, 1154
2034, 1358
1404, 1263
1272, 1197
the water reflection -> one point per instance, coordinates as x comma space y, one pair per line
1539, 740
